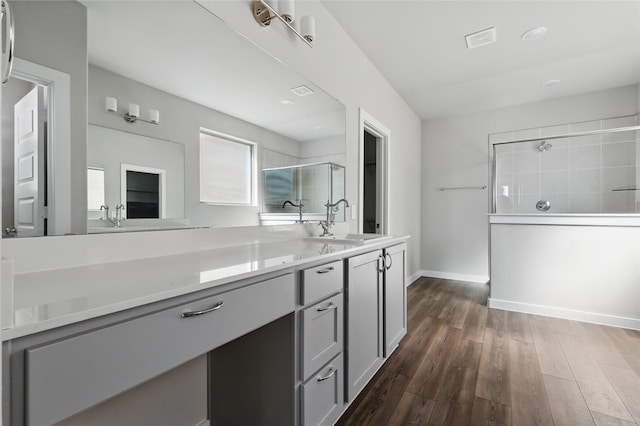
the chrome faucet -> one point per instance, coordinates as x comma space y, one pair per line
116, 219
331, 209
299, 206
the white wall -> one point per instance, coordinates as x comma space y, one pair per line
339, 67
455, 153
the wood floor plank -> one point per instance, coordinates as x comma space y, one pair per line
493, 372
518, 327
596, 388
601, 346
455, 403
474, 324
623, 342
497, 319
550, 355
411, 410
429, 376
407, 358
627, 384
567, 404
377, 404
604, 420
565, 326
529, 403
633, 361
455, 313
489, 413
633, 333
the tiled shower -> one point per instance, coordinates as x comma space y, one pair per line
589, 174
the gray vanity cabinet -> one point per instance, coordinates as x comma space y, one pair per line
376, 312
63, 376
322, 343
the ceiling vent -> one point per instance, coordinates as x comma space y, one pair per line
302, 91
481, 38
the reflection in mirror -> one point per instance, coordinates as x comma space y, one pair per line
300, 193
199, 75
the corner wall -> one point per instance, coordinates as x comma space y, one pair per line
455, 152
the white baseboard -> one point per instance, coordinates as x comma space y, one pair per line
550, 311
457, 277
412, 279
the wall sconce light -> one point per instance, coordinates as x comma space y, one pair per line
111, 104
264, 12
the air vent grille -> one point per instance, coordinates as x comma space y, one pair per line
302, 91
481, 38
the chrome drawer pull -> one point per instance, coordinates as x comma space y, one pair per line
325, 270
332, 371
327, 308
204, 311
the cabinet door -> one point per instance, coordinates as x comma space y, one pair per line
395, 298
322, 400
364, 310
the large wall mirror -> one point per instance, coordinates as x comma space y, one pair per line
73, 163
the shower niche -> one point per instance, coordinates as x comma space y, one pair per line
299, 193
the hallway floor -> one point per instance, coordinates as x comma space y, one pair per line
464, 364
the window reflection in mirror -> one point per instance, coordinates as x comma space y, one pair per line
95, 192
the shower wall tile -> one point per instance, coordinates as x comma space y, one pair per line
504, 163
504, 204
585, 180
505, 185
619, 202
527, 183
611, 123
527, 161
584, 157
554, 159
559, 202
554, 182
527, 134
619, 154
504, 149
588, 202
618, 178
526, 204
555, 131
585, 126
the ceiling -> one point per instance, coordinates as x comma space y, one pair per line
419, 47
203, 60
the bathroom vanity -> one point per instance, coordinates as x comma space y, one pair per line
293, 329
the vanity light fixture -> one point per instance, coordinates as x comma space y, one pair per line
264, 12
111, 105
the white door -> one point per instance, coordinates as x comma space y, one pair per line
29, 171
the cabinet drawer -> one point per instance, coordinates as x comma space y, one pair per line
322, 328
322, 395
70, 375
321, 281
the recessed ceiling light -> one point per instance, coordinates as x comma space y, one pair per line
287, 102
534, 34
481, 38
551, 83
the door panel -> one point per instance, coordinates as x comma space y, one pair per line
29, 173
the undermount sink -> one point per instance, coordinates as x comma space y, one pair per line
351, 238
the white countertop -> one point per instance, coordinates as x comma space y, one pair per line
48, 299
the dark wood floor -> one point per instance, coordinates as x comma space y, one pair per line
464, 364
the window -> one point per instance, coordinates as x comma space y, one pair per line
227, 169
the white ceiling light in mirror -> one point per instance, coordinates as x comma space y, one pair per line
264, 11
534, 34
